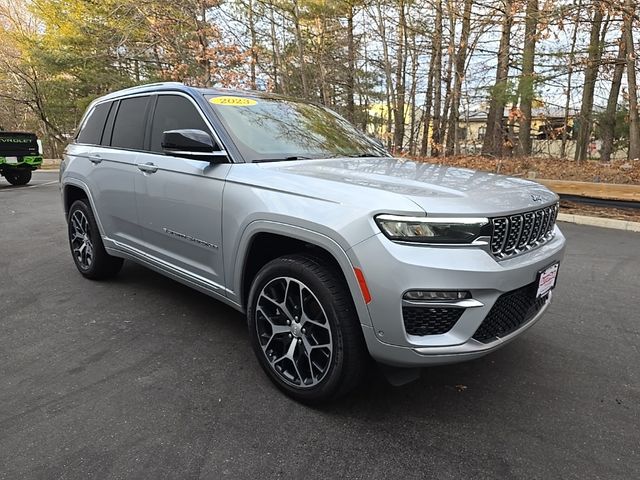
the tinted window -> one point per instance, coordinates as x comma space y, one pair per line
92, 129
173, 113
108, 127
128, 130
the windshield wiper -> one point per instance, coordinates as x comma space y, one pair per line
364, 155
283, 159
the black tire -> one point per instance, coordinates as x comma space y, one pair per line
18, 176
319, 283
101, 265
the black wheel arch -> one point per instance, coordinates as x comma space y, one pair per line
70, 194
266, 246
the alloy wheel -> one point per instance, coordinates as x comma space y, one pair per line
294, 332
81, 243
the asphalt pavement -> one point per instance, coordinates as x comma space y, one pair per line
141, 377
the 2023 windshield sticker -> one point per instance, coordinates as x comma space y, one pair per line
233, 101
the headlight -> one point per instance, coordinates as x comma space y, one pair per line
433, 230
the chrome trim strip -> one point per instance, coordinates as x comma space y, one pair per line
478, 242
149, 93
454, 220
216, 153
464, 303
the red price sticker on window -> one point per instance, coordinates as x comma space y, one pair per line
233, 101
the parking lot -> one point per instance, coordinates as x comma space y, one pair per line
143, 377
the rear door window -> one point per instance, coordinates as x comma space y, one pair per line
174, 112
129, 126
91, 131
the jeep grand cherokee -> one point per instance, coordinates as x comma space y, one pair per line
335, 251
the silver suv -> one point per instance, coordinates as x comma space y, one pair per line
335, 251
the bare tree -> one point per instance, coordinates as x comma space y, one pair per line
608, 120
452, 145
631, 8
585, 117
571, 61
494, 138
399, 104
527, 79
436, 78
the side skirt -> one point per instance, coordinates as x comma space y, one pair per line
196, 282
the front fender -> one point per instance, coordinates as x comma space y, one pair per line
240, 252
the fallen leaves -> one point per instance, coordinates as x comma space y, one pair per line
618, 171
575, 208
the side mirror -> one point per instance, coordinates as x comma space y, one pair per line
193, 144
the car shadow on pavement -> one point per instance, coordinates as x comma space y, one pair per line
451, 389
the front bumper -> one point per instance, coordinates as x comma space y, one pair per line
391, 269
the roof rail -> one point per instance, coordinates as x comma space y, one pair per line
155, 84
161, 83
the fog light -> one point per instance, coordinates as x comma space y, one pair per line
435, 296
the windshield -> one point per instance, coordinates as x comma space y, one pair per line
274, 129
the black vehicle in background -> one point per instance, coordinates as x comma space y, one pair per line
20, 154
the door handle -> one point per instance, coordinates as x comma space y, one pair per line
95, 159
148, 167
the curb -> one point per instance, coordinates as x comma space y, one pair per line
600, 222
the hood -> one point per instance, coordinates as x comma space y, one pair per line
437, 189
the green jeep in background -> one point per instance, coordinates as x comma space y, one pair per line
20, 154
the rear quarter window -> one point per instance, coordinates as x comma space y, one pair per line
91, 131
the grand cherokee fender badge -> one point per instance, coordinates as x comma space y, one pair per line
168, 231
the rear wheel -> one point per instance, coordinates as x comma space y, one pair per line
86, 245
304, 329
18, 176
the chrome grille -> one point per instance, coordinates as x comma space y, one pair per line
518, 233
515, 230
499, 234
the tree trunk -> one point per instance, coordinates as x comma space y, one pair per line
426, 119
351, 66
399, 114
300, 48
527, 80
278, 86
493, 143
608, 122
634, 120
590, 77
436, 78
390, 97
254, 47
461, 59
412, 94
572, 56
449, 75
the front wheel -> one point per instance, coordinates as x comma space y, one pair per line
17, 176
304, 329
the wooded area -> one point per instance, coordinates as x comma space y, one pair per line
414, 73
